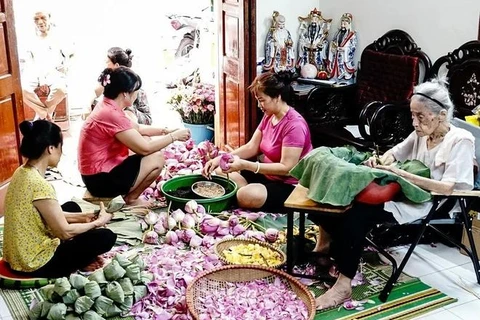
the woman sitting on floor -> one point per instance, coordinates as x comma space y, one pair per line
107, 136
41, 237
446, 150
139, 112
283, 137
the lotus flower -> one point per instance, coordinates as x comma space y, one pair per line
169, 223
187, 235
151, 218
151, 237
171, 237
178, 215
209, 226
201, 209
225, 160
271, 234
238, 230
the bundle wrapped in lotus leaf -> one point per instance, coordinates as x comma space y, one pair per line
127, 286
57, 311
47, 291
133, 272
35, 311
115, 292
92, 315
122, 260
83, 304
77, 281
72, 316
112, 311
127, 304
46, 305
102, 304
139, 292
92, 290
98, 276
146, 277
62, 286
139, 260
113, 271
71, 296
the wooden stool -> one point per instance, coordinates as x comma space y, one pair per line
96, 200
298, 201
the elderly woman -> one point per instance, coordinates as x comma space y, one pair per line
108, 135
448, 152
282, 137
42, 238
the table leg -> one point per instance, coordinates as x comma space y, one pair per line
290, 214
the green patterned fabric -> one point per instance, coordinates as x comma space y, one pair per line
334, 176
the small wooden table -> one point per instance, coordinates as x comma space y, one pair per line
298, 201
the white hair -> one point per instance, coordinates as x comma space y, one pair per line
437, 96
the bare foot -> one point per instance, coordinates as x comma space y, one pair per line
97, 264
333, 297
140, 201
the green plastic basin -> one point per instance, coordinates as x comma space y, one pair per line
211, 205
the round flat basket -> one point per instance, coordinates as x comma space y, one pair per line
223, 245
220, 278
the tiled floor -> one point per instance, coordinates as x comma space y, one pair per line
441, 267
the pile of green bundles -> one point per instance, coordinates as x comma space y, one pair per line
107, 292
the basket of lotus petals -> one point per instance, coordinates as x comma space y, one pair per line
248, 292
249, 252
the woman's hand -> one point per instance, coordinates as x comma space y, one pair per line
234, 165
371, 162
210, 166
181, 134
90, 217
103, 217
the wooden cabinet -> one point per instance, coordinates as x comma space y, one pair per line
11, 107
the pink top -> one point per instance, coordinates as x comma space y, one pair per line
291, 131
98, 149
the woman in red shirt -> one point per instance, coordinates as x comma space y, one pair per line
107, 136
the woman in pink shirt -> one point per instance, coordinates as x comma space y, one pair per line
107, 136
282, 137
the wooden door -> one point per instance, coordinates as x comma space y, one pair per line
11, 107
236, 118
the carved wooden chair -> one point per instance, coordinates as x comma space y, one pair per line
389, 68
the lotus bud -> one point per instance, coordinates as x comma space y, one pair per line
260, 236
160, 229
209, 226
163, 215
171, 223
248, 234
188, 221
201, 209
151, 237
238, 230
188, 235
171, 237
252, 216
225, 160
178, 215
222, 231
171, 162
151, 218
223, 224
184, 172
189, 144
271, 234
191, 206
195, 241
233, 221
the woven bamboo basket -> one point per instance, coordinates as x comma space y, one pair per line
216, 279
229, 243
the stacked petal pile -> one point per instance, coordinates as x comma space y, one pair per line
107, 292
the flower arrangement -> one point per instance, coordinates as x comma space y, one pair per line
196, 104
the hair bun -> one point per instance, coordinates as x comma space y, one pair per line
26, 127
129, 53
285, 76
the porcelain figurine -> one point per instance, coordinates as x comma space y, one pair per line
313, 44
341, 64
279, 53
